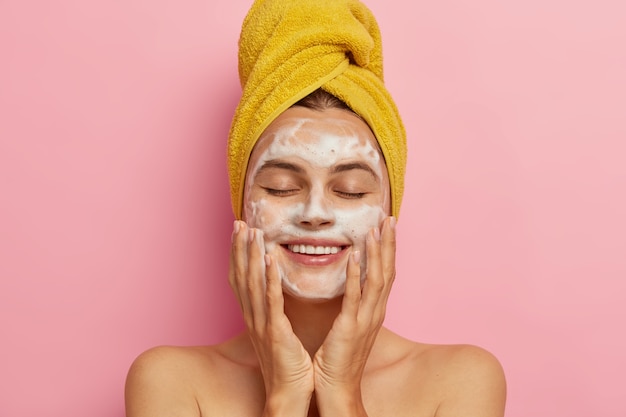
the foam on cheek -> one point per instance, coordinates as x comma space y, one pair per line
262, 215
357, 223
275, 222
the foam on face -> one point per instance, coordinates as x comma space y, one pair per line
328, 148
320, 149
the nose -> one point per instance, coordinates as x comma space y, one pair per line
317, 212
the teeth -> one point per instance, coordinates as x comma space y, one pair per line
314, 250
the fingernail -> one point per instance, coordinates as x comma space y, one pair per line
235, 231
356, 256
250, 234
392, 222
268, 260
373, 234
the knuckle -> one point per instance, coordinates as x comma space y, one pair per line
271, 297
378, 285
251, 285
391, 273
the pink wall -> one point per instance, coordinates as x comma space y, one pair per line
115, 212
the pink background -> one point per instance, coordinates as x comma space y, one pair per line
115, 214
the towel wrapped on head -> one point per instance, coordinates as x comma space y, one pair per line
290, 48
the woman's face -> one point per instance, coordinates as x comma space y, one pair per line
316, 184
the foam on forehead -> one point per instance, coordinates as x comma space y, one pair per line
338, 140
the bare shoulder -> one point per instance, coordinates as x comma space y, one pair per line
407, 378
189, 381
470, 379
174, 380
161, 382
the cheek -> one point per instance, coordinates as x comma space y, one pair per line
358, 222
271, 218
258, 215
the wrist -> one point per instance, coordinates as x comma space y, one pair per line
334, 402
287, 405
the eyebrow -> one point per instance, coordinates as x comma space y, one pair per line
277, 163
353, 165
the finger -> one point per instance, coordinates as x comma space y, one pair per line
352, 293
231, 256
232, 280
388, 262
274, 300
388, 254
255, 282
239, 265
374, 281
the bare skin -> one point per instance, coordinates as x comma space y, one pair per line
303, 354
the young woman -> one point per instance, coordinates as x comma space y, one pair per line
312, 265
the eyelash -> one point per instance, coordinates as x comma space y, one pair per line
279, 193
350, 195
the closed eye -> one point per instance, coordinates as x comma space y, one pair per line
350, 195
279, 193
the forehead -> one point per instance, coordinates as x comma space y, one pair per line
320, 137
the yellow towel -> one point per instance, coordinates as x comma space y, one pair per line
290, 48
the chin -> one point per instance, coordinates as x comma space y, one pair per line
313, 292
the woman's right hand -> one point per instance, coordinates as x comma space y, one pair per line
286, 366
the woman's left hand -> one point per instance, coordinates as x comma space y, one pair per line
340, 361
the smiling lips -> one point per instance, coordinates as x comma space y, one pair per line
314, 250
314, 255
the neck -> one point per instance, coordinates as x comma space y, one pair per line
311, 321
